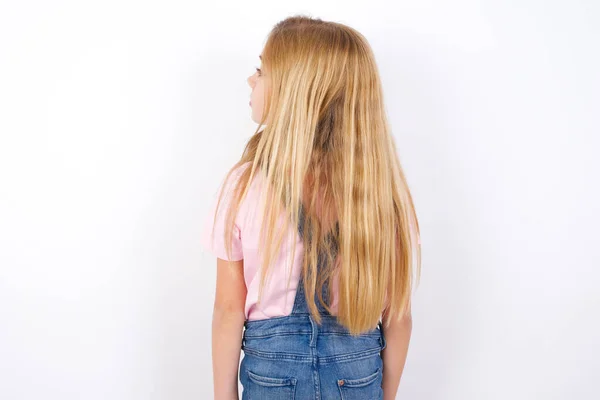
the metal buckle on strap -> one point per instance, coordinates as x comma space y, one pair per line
382, 340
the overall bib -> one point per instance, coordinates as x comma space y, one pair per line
291, 357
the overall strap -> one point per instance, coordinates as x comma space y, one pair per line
300, 306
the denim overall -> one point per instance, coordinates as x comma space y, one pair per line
292, 357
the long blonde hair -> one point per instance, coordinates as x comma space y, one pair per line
328, 148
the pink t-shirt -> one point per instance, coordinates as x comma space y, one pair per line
276, 300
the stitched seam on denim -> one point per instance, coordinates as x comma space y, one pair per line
361, 382
349, 357
266, 320
277, 356
325, 332
364, 335
270, 382
341, 392
267, 335
302, 316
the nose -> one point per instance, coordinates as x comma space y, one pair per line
252, 80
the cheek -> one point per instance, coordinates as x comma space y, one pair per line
259, 92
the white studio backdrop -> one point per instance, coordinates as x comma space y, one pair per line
118, 120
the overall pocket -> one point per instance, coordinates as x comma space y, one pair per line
259, 387
367, 387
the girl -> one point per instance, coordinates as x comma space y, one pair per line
314, 229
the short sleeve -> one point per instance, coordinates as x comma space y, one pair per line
215, 244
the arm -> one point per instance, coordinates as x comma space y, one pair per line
397, 337
227, 326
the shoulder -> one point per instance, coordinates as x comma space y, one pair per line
231, 177
254, 188
239, 169
249, 204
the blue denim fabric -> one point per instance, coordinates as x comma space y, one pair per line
292, 357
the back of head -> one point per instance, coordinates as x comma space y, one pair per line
326, 145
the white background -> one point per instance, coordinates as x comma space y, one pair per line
118, 120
